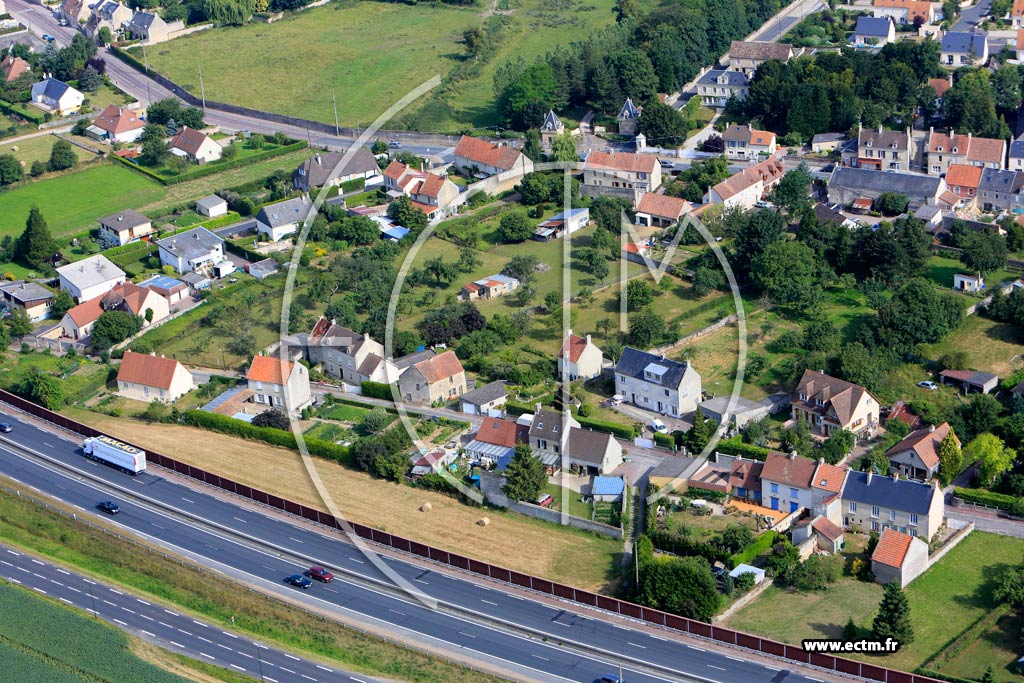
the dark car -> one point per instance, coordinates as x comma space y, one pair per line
299, 581
6, 427
320, 574
110, 507
611, 678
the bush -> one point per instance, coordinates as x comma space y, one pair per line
735, 446
1001, 501
760, 545
666, 440
275, 437
706, 494
353, 185
377, 390
621, 431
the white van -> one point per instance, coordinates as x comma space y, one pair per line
659, 426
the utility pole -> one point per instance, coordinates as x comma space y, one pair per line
202, 90
259, 659
337, 128
145, 59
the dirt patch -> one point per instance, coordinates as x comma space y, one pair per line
509, 540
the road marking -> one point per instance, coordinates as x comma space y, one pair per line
357, 680
268, 678
62, 571
22, 569
38, 562
187, 500
235, 666
245, 654
330, 589
205, 640
14, 553
240, 520
128, 610
46, 443
6, 562
489, 602
200, 623
112, 590
284, 669
308, 677
229, 635
735, 659
716, 667
539, 657
177, 645
164, 624
67, 601
698, 649
325, 668
420, 580
149, 634
57, 582
815, 679
118, 621
91, 583
397, 612
190, 635
291, 657
642, 647
173, 614
110, 603
147, 618
224, 646
664, 640
143, 602
772, 668
620, 627
355, 560
203, 654
72, 588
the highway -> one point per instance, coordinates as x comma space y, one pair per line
168, 629
525, 638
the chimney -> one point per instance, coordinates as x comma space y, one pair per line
792, 455
931, 428
821, 461
588, 340
536, 407
870, 474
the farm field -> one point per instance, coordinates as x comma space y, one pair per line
560, 554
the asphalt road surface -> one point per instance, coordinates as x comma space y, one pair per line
529, 640
166, 628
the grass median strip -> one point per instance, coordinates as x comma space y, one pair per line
26, 524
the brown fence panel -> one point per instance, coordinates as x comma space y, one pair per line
606, 603
903, 677
723, 635
677, 622
458, 561
824, 661
542, 585
438, 555
796, 653
652, 616
848, 666
875, 673
562, 591
700, 628
519, 579
586, 598
748, 641
418, 548
478, 567
501, 574
773, 647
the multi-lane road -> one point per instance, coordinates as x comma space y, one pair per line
499, 630
165, 627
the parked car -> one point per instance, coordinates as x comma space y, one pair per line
6, 427
320, 574
658, 426
611, 678
63, 22
299, 581
665, 163
109, 506
395, 144
762, 204
930, 386
48, 38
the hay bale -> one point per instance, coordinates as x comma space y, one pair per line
14, 148
484, 521
426, 507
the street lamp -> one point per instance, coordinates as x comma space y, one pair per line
259, 658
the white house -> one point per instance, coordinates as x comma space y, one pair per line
786, 482
874, 32
212, 206
746, 143
326, 170
963, 282
276, 221
660, 210
117, 124
579, 358
56, 97
152, 378
279, 384
744, 189
125, 227
195, 145
196, 250
480, 158
619, 174
89, 278
657, 383
960, 48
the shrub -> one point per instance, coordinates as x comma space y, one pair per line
666, 440
275, 437
735, 446
1001, 501
377, 390
760, 545
621, 431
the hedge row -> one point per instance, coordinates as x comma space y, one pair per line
670, 542
666, 440
695, 492
760, 545
735, 446
353, 185
244, 252
129, 248
377, 390
210, 169
983, 497
30, 116
621, 431
275, 437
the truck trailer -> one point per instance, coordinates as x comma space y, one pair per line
115, 453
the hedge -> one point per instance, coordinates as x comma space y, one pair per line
30, 116
706, 494
244, 252
353, 185
666, 440
684, 545
983, 497
621, 431
735, 446
129, 248
760, 545
377, 390
275, 437
210, 169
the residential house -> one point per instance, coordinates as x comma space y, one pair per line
970, 381
940, 86
657, 383
549, 435
882, 150
212, 206
717, 86
741, 412
108, 14
824, 143
746, 56
78, 321
826, 488
1017, 14
960, 48
963, 181
490, 399
430, 193
906, 11
828, 536
125, 227
550, 129
593, 452
349, 356
917, 455
744, 143
999, 189
489, 287
331, 169
963, 282
89, 278
848, 185
175, 291
828, 404
56, 97
116, 124
628, 117
437, 379
281, 219
827, 214
279, 384
745, 479
126, 297
479, 158
659, 210
30, 297
195, 145
196, 250
620, 174
945, 150
579, 358
874, 32
1019, 45
150, 27
14, 68
561, 223
898, 558
1015, 161
674, 472
872, 502
744, 189
786, 481
495, 442
148, 377
75, 12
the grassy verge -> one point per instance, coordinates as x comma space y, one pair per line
93, 551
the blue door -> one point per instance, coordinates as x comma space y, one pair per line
775, 503
742, 492
793, 506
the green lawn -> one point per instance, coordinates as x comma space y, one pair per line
577, 508
944, 602
72, 203
990, 346
35, 149
941, 270
343, 412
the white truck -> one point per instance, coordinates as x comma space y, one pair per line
112, 452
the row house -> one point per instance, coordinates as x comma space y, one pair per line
746, 56
620, 174
874, 502
944, 149
1000, 190
963, 180
744, 189
440, 378
882, 150
480, 159
556, 438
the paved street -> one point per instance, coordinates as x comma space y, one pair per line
971, 17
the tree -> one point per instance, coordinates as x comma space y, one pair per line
984, 252
969, 106
474, 39
646, 328
468, 259
113, 327
787, 271
707, 280
680, 585
62, 156
754, 236
916, 314
440, 269
90, 80
524, 475
10, 169
563, 149
892, 203
515, 227
951, 459
529, 96
793, 190
1009, 587
42, 389
698, 436
552, 301
850, 630
893, 618
20, 324
154, 152
34, 248
662, 124
375, 421
104, 35
638, 295
992, 456
600, 269
61, 304
990, 673
407, 215
379, 147
522, 267
1006, 83
274, 418
798, 438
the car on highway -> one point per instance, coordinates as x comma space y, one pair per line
109, 506
6, 427
930, 386
320, 574
610, 678
299, 581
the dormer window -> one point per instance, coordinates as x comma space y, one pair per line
869, 143
894, 146
939, 148
819, 402
954, 150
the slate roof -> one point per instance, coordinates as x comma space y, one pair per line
322, 168
548, 425
961, 42
440, 367
826, 213
760, 51
414, 358
633, 362
892, 548
143, 20
629, 110
672, 466
51, 88
282, 213
585, 445
124, 220
791, 470
877, 27
1017, 149
487, 153
925, 442
737, 79
827, 137
146, 369
491, 391
861, 179
191, 244
552, 124
970, 376
90, 271
881, 138
889, 492
270, 370
997, 180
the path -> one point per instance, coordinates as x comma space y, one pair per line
28, 136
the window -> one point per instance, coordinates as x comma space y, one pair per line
874, 526
874, 511
913, 519
775, 488
259, 386
793, 493
892, 515
666, 392
622, 379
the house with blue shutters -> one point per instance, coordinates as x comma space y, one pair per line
786, 482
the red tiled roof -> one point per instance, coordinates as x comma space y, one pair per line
431, 186
663, 205
395, 170
575, 344
13, 67
962, 175
925, 442
152, 371
827, 529
116, 120
487, 153
746, 475
86, 312
901, 412
790, 470
892, 548
497, 432
766, 172
629, 163
440, 367
939, 85
829, 477
270, 370
188, 140
1018, 8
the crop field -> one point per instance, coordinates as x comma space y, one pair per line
46, 643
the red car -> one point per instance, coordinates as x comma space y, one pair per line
320, 574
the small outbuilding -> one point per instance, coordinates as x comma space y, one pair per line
212, 206
607, 489
758, 573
